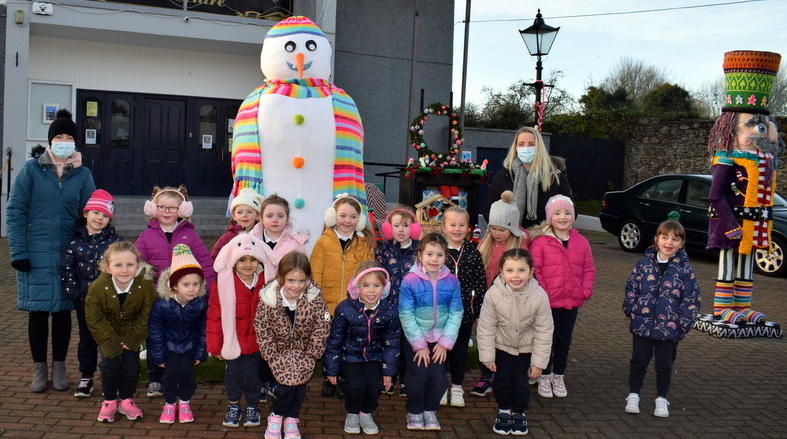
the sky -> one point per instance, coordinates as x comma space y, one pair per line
688, 43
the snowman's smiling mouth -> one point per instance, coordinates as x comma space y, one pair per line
295, 68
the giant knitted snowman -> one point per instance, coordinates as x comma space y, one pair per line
298, 135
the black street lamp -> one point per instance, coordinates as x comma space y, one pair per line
539, 38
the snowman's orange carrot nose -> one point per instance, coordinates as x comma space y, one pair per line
299, 64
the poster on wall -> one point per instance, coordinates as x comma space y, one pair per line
275, 10
50, 113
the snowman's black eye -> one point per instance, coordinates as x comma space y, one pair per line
289, 46
311, 46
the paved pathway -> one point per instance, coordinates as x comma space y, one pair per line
721, 387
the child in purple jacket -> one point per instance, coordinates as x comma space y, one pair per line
169, 211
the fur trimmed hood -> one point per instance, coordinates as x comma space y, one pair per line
270, 293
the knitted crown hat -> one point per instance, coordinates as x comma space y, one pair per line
504, 213
749, 77
247, 197
559, 202
183, 263
101, 201
62, 125
293, 25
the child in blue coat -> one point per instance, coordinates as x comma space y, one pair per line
176, 327
662, 300
79, 267
364, 344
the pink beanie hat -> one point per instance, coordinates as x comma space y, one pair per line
559, 202
101, 201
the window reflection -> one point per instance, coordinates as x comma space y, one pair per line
119, 124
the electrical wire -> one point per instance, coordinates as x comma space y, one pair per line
604, 14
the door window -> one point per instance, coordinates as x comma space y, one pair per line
119, 124
207, 126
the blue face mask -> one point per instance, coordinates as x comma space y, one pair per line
62, 150
526, 154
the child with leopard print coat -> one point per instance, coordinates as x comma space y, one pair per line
292, 326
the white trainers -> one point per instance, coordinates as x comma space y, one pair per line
545, 386
444, 399
559, 386
457, 396
662, 407
632, 403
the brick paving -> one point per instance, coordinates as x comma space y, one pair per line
720, 388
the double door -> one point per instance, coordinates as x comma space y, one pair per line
133, 142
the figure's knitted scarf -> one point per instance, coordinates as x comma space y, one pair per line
525, 191
247, 167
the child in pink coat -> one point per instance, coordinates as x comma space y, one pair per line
275, 230
564, 267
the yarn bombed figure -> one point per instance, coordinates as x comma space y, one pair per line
744, 145
298, 135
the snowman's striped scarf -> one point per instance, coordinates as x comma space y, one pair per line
348, 161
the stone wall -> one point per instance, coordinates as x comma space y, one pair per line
674, 147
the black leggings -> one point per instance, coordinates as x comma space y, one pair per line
38, 334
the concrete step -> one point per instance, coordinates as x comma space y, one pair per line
209, 216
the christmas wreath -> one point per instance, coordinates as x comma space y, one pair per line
417, 129
437, 163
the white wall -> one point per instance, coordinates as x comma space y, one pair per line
115, 67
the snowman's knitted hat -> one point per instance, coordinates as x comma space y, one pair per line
295, 25
749, 77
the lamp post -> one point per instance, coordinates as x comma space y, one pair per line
539, 38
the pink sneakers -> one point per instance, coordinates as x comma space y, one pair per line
185, 414
291, 428
167, 414
273, 431
108, 409
129, 408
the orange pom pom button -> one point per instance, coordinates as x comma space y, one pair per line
297, 162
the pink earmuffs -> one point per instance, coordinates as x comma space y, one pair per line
387, 228
185, 210
330, 213
354, 291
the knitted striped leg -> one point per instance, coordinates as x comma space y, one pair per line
741, 301
722, 303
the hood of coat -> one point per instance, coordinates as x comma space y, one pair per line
166, 293
419, 271
269, 294
101, 236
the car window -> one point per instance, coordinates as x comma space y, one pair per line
697, 193
664, 190
779, 200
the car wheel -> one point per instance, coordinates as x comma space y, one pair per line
772, 264
631, 236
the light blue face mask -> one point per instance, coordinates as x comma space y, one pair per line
62, 150
526, 154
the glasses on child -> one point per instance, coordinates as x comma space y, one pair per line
167, 208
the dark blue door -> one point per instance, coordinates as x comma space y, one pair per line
162, 160
106, 139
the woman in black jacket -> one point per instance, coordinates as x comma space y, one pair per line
533, 176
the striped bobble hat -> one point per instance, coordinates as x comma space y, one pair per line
294, 25
183, 263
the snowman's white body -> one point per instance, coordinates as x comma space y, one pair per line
314, 141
